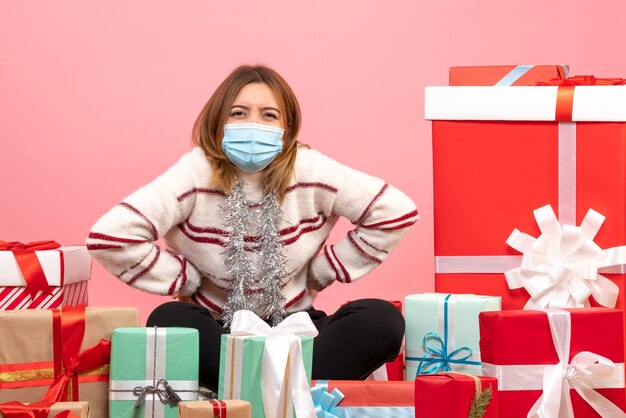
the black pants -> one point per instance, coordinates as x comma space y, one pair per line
353, 342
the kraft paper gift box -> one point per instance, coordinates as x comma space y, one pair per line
268, 367
147, 365
364, 399
42, 275
550, 357
500, 152
214, 409
442, 332
505, 75
36, 345
455, 395
43, 410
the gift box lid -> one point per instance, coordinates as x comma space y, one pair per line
63, 265
507, 75
598, 103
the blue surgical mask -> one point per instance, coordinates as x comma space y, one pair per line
252, 146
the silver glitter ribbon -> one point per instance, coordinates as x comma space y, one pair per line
239, 214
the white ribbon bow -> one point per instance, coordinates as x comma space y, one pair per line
283, 377
560, 268
580, 374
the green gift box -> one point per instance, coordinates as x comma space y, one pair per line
148, 364
241, 371
442, 332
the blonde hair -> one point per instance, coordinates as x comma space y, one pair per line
208, 130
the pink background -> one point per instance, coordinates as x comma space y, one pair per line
98, 98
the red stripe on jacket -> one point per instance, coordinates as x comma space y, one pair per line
147, 269
361, 250
390, 221
155, 234
367, 209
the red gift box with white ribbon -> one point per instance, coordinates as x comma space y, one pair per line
501, 152
555, 362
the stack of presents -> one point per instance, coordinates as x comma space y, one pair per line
530, 254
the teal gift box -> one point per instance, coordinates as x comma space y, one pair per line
442, 332
149, 364
241, 366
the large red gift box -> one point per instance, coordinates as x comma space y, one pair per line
451, 395
510, 75
42, 275
519, 346
501, 152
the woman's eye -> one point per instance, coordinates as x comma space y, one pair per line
237, 113
271, 116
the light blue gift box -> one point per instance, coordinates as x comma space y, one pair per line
442, 332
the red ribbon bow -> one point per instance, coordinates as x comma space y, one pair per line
565, 94
69, 330
582, 80
29, 263
34, 410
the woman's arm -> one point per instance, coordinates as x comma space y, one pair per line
123, 239
381, 215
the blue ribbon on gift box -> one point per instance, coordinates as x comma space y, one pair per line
326, 403
326, 406
437, 360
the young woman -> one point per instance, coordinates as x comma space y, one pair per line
245, 216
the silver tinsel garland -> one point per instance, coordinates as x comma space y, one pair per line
237, 214
273, 260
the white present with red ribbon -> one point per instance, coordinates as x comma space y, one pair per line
43, 275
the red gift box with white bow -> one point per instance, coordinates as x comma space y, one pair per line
501, 152
555, 363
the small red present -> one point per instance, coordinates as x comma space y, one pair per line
505, 75
562, 362
456, 395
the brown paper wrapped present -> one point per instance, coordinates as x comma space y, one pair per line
41, 361
79, 409
218, 409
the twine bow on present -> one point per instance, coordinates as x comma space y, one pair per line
162, 389
326, 403
154, 387
283, 373
560, 268
29, 265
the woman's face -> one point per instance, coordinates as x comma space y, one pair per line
256, 103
